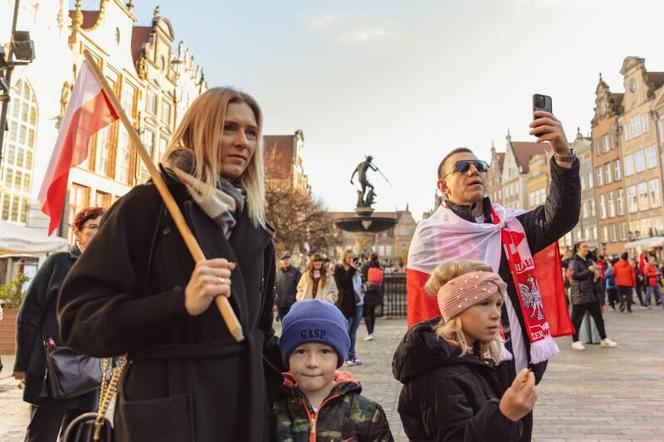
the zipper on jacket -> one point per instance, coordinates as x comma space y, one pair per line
313, 419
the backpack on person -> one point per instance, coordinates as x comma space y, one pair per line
375, 278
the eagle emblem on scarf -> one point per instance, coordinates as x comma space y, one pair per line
532, 300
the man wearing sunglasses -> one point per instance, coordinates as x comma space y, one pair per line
469, 226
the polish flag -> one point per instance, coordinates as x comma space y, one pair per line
444, 237
89, 111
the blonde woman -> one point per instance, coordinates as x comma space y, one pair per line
447, 365
137, 290
317, 283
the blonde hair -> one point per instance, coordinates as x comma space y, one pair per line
344, 255
452, 330
200, 131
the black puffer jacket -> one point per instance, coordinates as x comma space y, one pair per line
582, 287
446, 397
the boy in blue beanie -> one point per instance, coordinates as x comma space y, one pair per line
316, 402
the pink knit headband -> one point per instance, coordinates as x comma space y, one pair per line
467, 290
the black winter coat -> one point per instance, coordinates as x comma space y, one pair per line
287, 286
344, 280
446, 397
188, 380
582, 286
36, 321
543, 226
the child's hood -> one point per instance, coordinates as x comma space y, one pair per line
421, 351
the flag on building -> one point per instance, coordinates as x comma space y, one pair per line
89, 111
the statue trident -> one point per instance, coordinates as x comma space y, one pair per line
364, 198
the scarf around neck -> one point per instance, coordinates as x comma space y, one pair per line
446, 236
223, 205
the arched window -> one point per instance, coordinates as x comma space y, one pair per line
18, 153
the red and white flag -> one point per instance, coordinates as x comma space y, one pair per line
445, 236
89, 111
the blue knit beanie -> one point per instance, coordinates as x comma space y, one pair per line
312, 320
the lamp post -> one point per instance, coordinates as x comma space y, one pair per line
22, 49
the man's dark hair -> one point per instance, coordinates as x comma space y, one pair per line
84, 215
624, 256
456, 150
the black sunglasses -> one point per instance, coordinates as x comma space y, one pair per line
463, 166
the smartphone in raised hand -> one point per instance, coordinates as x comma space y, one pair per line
542, 103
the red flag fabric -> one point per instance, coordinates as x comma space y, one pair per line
89, 111
421, 305
552, 290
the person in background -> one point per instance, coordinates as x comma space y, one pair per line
640, 280
652, 280
317, 283
287, 280
36, 322
345, 276
583, 294
626, 281
372, 275
611, 287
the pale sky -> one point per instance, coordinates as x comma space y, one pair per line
406, 81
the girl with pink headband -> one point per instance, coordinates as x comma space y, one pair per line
448, 365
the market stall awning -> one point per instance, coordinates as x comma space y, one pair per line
646, 243
15, 240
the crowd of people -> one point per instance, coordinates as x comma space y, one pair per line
594, 282
478, 339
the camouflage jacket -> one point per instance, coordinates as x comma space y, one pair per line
344, 416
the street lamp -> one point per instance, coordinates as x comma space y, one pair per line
21, 53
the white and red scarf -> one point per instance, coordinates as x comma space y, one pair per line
445, 236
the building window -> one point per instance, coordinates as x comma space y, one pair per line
651, 157
605, 143
605, 233
632, 201
151, 102
620, 202
165, 112
623, 231
612, 205
654, 195
602, 207
613, 237
585, 209
617, 175
643, 196
636, 126
591, 184
639, 161
103, 150
593, 212
19, 148
629, 165
102, 199
600, 176
602, 106
608, 179
122, 157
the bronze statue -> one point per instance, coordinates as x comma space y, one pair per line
365, 199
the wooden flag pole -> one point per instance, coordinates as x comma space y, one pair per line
222, 302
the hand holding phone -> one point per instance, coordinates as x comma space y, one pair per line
546, 127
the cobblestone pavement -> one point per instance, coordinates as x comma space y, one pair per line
599, 394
